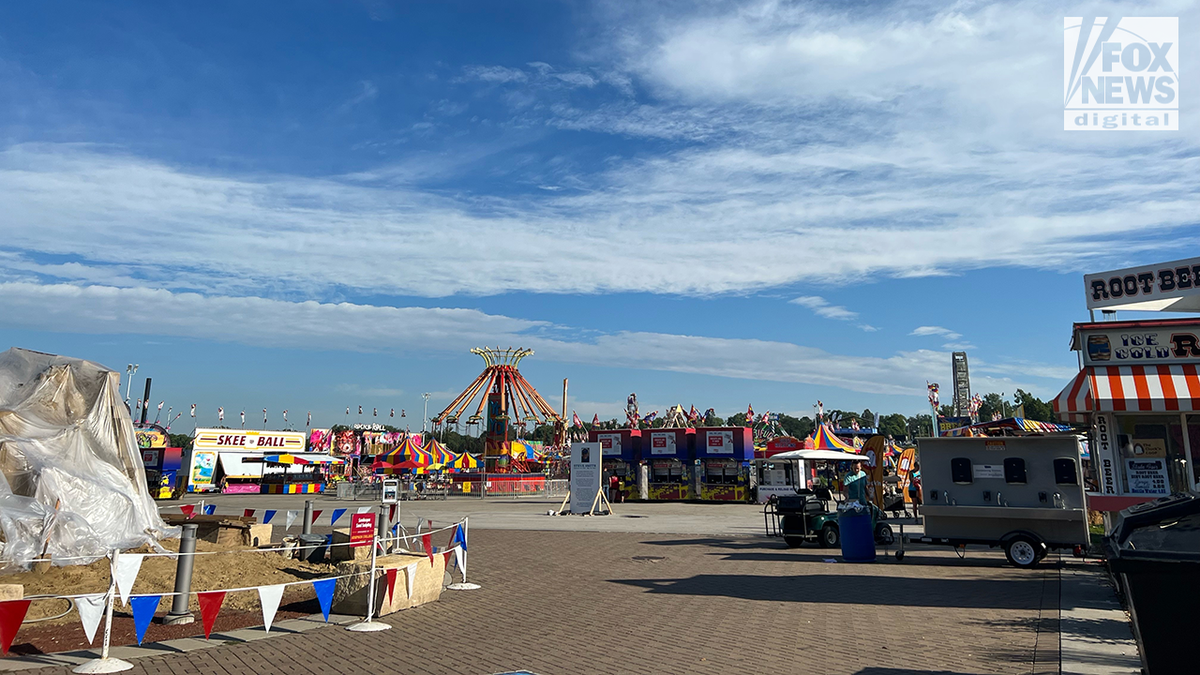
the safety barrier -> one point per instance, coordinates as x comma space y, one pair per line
355, 490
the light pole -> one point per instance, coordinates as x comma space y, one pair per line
425, 416
129, 371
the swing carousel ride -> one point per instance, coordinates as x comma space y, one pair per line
506, 399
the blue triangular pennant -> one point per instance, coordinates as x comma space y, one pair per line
395, 528
324, 590
210, 509
457, 539
268, 516
337, 514
144, 607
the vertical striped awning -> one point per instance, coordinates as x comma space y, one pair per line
1161, 388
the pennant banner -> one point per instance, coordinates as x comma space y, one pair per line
125, 572
458, 538
291, 519
269, 597
460, 559
337, 515
189, 510
446, 557
12, 613
210, 606
210, 509
91, 610
364, 509
324, 590
144, 607
316, 514
268, 515
248, 513
427, 542
391, 582
410, 573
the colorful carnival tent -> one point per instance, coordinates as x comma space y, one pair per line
438, 452
297, 460
408, 450
823, 438
464, 461
1015, 426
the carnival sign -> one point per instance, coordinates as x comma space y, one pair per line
244, 439
1139, 345
1171, 286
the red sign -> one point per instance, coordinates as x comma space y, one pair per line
606, 443
716, 441
659, 441
362, 529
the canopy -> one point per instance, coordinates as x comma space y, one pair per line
464, 461
438, 453
831, 455
1018, 424
1165, 388
823, 438
408, 450
297, 459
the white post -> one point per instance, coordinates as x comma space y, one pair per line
369, 625
104, 664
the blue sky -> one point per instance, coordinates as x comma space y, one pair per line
326, 204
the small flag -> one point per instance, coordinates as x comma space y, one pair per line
374, 412
138, 404
750, 413
457, 539
575, 419
316, 514
144, 607
364, 509
243, 418
460, 557
12, 613
392, 413
291, 518
160, 404
125, 572
347, 410
309, 422
247, 513
596, 419
360, 410
220, 414
210, 606
285, 417
391, 582
210, 509
410, 574
91, 610
447, 556
337, 515
189, 510
427, 542
193, 410
264, 416
269, 597
268, 515
324, 590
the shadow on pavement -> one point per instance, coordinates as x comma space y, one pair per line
884, 558
853, 589
906, 671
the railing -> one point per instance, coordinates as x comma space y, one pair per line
355, 490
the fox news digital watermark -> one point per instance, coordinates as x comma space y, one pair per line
1121, 74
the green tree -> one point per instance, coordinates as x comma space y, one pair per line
894, 425
738, 420
921, 425
867, 418
797, 427
1035, 408
992, 403
180, 441
946, 411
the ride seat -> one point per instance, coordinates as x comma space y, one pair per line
814, 506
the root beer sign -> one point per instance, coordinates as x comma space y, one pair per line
1172, 286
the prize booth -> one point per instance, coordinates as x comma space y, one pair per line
723, 456
302, 474
162, 463
667, 452
619, 450
229, 460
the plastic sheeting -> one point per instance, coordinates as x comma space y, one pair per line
71, 476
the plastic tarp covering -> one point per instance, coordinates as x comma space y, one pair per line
71, 476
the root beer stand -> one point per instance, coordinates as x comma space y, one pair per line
1139, 386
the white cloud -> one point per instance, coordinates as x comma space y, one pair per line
935, 330
367, 92
821, 307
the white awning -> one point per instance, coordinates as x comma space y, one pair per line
831, 455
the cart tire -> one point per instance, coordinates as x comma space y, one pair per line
884, 535
830, 537
793, 542
899, 555
1022, 551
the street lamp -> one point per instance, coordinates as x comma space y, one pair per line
129, 371
425, 416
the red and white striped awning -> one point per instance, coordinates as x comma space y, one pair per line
1165, 388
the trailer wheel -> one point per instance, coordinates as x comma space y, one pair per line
793, 542
830, 537
1022, 551
884, 535
899, 555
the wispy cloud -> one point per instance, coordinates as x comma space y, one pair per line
921, 331
821, 307
367, 92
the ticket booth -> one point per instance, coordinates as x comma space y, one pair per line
723, 457
667, 452
619, 451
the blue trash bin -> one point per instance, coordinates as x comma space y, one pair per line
858, 541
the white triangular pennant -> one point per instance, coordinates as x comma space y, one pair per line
460, 559
410, 573
291, 518
269, 597
91, 609
364, 509
125, 570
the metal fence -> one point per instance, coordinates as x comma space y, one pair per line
485, 485
356, 490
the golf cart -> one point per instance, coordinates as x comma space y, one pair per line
806, 517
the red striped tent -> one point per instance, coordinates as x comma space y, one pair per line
408, 451
823, 438
1163, 388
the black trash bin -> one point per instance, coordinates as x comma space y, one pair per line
1154, 552
312, 548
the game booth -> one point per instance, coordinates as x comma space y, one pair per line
162, 463
667, 453
230, 460
619, 449
723, 455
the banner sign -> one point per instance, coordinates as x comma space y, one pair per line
662, 443
1147, 476
610, 444
1139, 345
245, 439
204, 465
1104, 454
947, 423
362, 529
1170, 286
719, 442
585, 475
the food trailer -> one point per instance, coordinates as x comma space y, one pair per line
619, 450
668, 455
723, 456
1023, 494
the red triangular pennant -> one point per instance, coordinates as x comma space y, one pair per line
446, 556
189, 510
316, 514
210, 606
427, 542
391, 581
391, 513
248, 513
12, 613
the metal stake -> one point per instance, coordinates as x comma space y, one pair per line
179, 613
369, 625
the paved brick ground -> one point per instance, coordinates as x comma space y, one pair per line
582, 602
